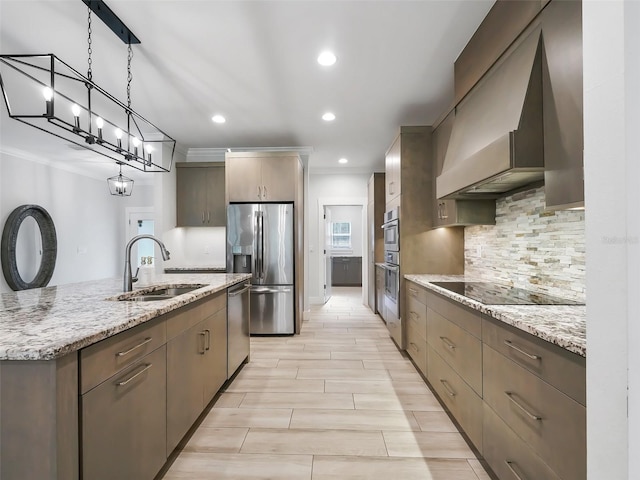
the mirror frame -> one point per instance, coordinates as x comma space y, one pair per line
8, 247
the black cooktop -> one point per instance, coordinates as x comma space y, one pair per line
495, 294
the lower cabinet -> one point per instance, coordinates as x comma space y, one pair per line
346, 271
196, 369
143, 389
519, 399
124, 422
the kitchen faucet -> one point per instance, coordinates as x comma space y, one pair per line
128, 278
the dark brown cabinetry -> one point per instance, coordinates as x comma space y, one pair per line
196, 364
346, 271
200, 189
375, 239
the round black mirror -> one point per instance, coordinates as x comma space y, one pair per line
29, 248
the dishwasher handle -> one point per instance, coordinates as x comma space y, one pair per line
236, 292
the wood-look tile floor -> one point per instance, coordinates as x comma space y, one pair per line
338, 401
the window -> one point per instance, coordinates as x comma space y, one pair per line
341, 235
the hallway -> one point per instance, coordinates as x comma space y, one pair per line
338, 401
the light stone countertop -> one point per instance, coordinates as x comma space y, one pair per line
562, 325
48, 323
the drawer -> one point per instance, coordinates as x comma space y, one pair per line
416, 292
461, 350
508, 456
464, 317
123, 423
189, 315
417, 348
564, 370
550, 422
417, 316
459, 398
104, 359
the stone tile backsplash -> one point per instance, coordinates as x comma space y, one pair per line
530, 248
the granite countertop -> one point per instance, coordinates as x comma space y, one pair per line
562, 325
48, 323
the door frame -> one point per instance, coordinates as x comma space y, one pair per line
141, 213
338, 201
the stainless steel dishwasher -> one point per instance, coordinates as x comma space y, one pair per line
238, 321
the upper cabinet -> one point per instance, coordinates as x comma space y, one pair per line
562, 104
450, 213
262, 176
392, 171
200, 195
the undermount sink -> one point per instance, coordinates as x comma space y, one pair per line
160, 294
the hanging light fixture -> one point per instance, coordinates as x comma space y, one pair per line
50, 95
120, 185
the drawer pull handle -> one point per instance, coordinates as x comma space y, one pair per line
127, 352
513, 470
448, 343
413, 292
509, 344
415, 347
532, 416
208, 339
203, 334
448, 388
414, 314
124, 382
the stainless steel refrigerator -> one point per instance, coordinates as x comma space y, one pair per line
260, 242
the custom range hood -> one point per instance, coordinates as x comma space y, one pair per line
496, 144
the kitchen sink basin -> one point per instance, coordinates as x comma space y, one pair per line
159, 294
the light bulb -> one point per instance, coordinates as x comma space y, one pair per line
118, 134
47, 93
343, 160
328, 117
326, 58
218, 119
99, 124
75, 109
135, 141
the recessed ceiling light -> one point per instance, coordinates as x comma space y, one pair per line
218, 119
328, 117
343, 160
326, 58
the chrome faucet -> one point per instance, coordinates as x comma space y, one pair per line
128, 278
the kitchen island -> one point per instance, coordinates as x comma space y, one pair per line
81, 369
513, 376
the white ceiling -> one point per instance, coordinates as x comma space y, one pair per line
255, 63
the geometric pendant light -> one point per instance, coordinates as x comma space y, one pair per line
120, 185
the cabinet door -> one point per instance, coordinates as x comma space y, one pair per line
191, 196
392, 171
124, 422
184, 382
216, 213
279, 179
243, 179
215, 357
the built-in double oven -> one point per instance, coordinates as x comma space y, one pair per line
391, 227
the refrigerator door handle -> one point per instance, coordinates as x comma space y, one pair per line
260, 242
270, 290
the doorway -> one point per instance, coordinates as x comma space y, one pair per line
139, 221
342, 233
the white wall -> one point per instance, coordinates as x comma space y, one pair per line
196, 247
89, 222
327, 186
611, 124
352, 214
